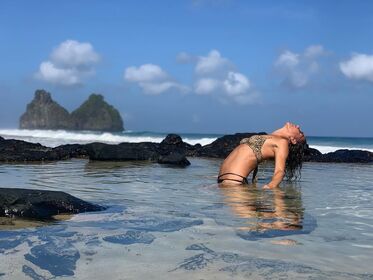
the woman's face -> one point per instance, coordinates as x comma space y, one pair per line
295, 131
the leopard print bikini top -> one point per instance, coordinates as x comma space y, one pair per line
256, 142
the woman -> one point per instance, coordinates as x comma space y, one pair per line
285, 146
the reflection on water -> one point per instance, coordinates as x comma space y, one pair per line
263, 210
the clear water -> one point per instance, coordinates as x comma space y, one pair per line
171, 223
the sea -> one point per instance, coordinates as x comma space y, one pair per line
166, 222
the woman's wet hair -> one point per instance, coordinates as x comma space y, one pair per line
295, 160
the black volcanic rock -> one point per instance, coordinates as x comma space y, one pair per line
174, 158
21, 151
222, 146
123, 152
97, 115
94, 114
44, 113
172, 150
40, 204
173, 144
310, 153
71, 151
348, 156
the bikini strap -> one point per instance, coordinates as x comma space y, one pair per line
230, 173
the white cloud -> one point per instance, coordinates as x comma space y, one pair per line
314, 51
358, 67
207, 85
211, 63
69, 64
145, 73
50, 73
296, 69
152, 79
236, 83
74, 54
288, 59
217, 76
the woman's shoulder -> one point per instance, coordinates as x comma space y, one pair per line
278, 140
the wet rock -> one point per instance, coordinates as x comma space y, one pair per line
71, 151
222, 146
20, 151
40, 204
310, 153
123, 152
30, 272
59, 257
131, 237
171, 151
348, 156
174, 159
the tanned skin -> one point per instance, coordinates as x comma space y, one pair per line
242, 159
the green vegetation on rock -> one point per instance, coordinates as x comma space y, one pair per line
96, 114
44, 113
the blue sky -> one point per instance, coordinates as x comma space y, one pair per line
218, 66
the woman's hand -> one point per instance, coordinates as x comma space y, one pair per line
269, 186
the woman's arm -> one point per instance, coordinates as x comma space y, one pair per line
281, 154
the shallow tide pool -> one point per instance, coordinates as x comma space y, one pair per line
173, 223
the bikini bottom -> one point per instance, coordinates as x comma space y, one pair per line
243, 181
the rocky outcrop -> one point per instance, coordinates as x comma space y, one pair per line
40, 204
222, 146
94, 114
97, 115
44, 113
172, 151
348, 156
22, 151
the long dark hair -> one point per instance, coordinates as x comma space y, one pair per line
295, 160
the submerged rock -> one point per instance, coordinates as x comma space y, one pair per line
175, 159
40, 204
44, 113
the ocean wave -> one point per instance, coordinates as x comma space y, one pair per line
329, 149
53, 138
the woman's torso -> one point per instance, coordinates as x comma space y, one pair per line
244, 158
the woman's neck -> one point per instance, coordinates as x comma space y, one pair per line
281, 133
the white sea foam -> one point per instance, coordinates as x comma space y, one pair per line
53, 138
329, 149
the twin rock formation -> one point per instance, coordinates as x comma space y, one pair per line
94, 114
